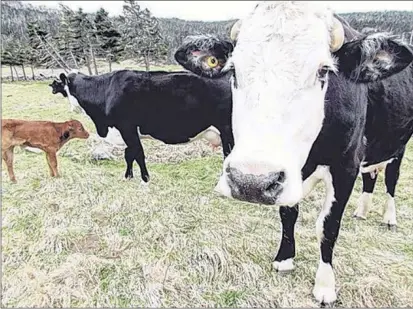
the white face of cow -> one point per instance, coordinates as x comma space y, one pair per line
281, 61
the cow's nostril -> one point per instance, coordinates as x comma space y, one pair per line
272, 186
274, 183
281, 177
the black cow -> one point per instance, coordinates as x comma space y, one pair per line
299, 116
173, 107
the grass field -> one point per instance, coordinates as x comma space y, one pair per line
92, 239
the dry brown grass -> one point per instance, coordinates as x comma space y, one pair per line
92, 239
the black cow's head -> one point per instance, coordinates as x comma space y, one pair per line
58, 87
204, 55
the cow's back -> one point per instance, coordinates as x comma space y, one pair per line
170, 107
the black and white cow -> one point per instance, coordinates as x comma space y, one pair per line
299, 113
389, 126
173, 107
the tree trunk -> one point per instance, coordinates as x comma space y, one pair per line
74, 60
88, 65
110, 64
92, 53
17, 74
147, 65
24, 72
31, 66
11, 71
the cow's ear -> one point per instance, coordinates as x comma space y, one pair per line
373, 58
63, 78
182, 58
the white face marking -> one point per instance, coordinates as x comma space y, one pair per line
278, 105
74, 103
364, 204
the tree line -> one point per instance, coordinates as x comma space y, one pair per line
35, 36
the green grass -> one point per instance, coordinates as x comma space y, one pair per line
93, 239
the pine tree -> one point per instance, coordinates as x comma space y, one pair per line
82, 39
108, 37
64, 38
142, 34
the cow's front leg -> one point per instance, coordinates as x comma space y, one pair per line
134, 151
339, 183
283, 261
227, 139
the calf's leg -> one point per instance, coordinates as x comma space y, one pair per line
52, 161
339, 182
134, 151
391, 177
365, 201
8, 159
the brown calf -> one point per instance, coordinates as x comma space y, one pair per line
45, 135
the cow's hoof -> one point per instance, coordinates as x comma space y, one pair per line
145, 178
325, 296
128, 175
283, 267
144, 183
389, 227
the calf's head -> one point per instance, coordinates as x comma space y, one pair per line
74, 129
284, 55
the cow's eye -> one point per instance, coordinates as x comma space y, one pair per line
212, 61
322, 75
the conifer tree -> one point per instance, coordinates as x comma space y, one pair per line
108, 37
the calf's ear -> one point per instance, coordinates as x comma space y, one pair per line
373, 58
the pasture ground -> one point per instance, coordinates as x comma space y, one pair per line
92, 239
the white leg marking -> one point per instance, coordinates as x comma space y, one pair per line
364, 204
389, 215
287, 265
310, 182
328, 202
324, 288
